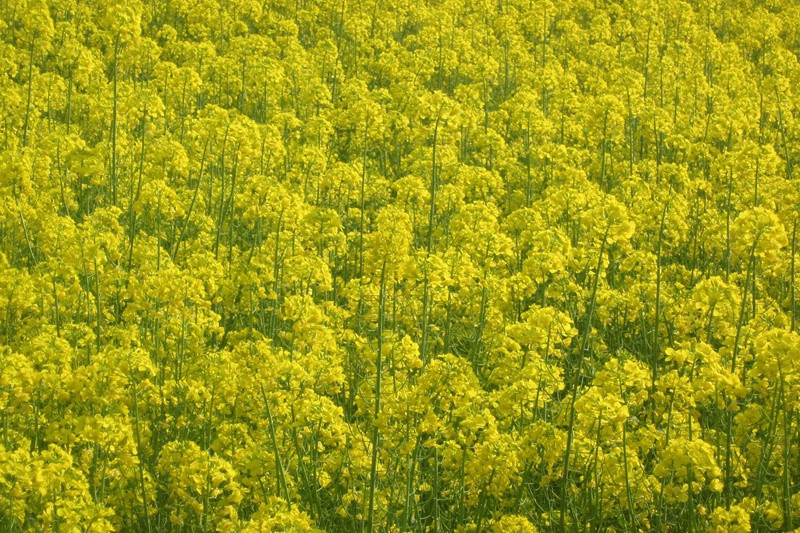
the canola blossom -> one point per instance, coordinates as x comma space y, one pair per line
399, 265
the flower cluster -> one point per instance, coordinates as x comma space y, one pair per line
451, 265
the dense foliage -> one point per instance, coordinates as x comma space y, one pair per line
399, 265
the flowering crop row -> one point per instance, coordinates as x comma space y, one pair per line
391, 265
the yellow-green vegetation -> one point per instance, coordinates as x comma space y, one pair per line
399, 265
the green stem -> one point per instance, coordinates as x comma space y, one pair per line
376, 433
278, 462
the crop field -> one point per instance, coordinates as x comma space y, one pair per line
472, 266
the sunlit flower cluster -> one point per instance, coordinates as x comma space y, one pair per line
293, 265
